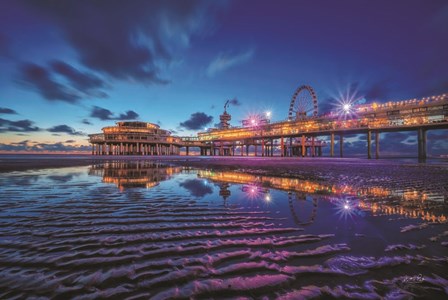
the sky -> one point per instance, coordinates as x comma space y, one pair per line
69, 68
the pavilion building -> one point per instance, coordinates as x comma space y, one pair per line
135, 138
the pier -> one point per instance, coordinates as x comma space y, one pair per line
297, 136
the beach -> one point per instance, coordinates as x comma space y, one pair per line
189, 227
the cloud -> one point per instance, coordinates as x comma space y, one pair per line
392, 143
43, 147
86, 122
62, 178
235, 102
4, 110
196, 187
65, 129
70, 141
46, 81
82, 81
105, 114
40, 79
17, 126
378, 91
226, 61
130, 41
327, 105
197, 121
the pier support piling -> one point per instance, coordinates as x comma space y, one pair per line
369, 144
303, 145
341, 145
377, 144
332, 145
421, 143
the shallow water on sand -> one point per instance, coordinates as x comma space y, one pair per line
131, 230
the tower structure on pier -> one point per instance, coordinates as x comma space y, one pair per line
225, 117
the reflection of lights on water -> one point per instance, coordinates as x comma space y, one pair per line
346, 208
254, 192
267, 198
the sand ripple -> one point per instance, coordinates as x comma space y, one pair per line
83, 239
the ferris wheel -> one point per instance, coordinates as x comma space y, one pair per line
303, 104
296, 197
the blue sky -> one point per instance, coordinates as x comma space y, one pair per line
70, 68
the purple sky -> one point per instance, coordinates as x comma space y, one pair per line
71, 67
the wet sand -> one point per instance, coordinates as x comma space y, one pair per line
73, 233
10, 163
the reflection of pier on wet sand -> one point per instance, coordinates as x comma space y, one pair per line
128, 174
377, 199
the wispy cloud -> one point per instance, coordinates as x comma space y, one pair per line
225, 61
131, 41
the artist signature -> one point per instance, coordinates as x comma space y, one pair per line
413, 279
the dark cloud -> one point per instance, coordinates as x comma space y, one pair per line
197, 121
129, 115
378, 91
327, 106
235, 102
70, 141
17, 126
64, 129
196, 187
396, 136
82, 81
437, 142
105, 114
127, 41
44, 80
4, 110
87, 122
40, 79
391, 144
63, 178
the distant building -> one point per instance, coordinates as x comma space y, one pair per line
135, 138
